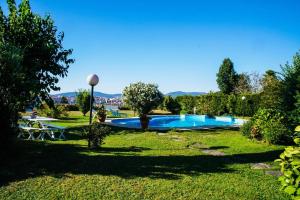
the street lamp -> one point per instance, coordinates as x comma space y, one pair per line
243, 99
92, 80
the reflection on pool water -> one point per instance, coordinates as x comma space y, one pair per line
181, 121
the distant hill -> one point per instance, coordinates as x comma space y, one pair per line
180, 93
105, 95
97, 94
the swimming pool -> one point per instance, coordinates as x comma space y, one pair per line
181, 122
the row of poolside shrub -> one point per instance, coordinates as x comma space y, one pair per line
220, 104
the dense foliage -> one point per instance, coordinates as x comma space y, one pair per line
101, 113
233, 104
64, 100
142, 97
83, 100
270, 125
172, 105
290, 167
32, 59
70, 107
227, 77
272, 93
243, 84
57, 111
291, 83
99, 132
187, 103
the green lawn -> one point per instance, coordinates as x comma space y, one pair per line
141, 165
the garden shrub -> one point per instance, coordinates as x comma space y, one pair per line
171, 105
187, 103
219, 104
183, 112
290, 167
70, 107
98, 133
247, 128
57, 111
275, 132
270, 125
123, 107
212, 104
246, 107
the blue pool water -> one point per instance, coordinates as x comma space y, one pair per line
180, 121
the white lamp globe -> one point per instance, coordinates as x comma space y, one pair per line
92, 79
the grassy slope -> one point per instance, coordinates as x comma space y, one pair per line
137, 165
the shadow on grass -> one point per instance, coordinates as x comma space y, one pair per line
218, 147
38, 159
122, 149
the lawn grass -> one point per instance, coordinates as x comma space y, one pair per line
140, 165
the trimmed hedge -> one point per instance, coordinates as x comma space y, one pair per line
220, 104
187, 103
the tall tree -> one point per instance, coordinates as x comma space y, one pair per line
32, 59
226, 77
291, 82
243, 84
272, 94
255, 82
83, 101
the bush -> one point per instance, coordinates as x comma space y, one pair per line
70, 107
57, 111
211, 104
142, 97
219, 104
187, 103
290, 167
275, 132
247, 127
124, 107
171, 105
101, 113
271, 125
98, 133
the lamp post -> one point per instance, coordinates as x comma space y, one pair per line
243, 99
92, 80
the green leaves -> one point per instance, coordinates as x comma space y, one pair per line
290, 190
226, 77
32, 59
290, 164
171, 105
142, 97
83, 100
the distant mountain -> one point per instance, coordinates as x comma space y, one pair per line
180, 93
105, 95
96, 94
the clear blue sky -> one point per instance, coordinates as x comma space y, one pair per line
177, 44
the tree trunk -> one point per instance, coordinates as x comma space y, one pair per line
144, 119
